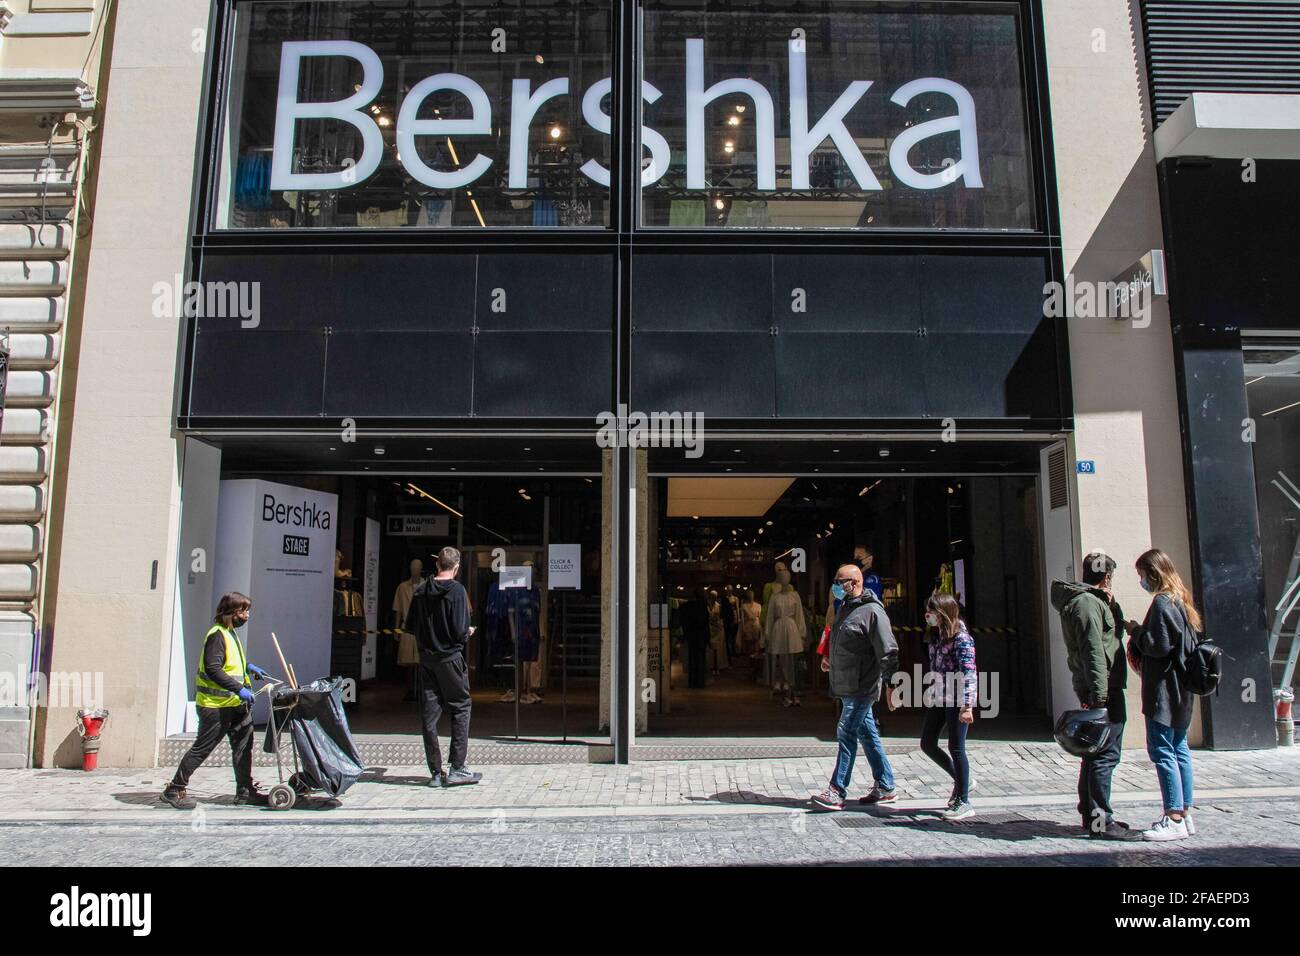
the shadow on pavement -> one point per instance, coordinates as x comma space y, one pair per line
380, 775
748, 797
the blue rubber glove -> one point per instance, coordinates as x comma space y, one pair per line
245, 695
256, 672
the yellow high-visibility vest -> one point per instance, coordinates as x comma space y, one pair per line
208, 692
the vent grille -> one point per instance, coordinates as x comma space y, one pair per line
1057, 492
1220, 46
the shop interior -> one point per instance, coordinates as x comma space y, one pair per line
774, 543
534, 657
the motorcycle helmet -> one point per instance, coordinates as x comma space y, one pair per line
1083, 733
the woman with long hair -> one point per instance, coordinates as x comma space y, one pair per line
1157, 648
950, 696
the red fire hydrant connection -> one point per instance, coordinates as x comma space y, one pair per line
90, 724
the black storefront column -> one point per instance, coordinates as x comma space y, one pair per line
1219, 471
626, 142
1229, 252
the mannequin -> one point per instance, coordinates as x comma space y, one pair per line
731, 620
718, 659
408, 655
784, 635
780, 578
751, 628
341, 575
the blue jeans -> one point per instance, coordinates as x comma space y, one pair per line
1168, 750
857, 723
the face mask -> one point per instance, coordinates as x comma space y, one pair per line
932, 620
1146, 585
238, 622
837, 590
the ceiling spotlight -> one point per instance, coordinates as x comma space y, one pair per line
556, 132
884, 453
379, 449
740, 107
733, 120
769, 524
719, 204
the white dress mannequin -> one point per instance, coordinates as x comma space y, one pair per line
784, 631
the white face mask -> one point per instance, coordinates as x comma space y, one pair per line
932, 619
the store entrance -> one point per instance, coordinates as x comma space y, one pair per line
742, 578
534, 657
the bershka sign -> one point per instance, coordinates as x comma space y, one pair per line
308, 514
805, 134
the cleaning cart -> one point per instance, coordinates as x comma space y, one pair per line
325, 757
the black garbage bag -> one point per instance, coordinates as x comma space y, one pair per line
327, 756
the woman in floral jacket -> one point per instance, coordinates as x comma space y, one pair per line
951, 691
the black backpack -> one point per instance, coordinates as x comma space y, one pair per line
1200, 662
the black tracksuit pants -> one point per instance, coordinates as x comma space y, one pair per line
444, 685
215, 723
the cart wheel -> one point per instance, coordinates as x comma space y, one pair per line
281, 797
299, 785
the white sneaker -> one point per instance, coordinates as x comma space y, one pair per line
1166, 828
507, 698
529, 698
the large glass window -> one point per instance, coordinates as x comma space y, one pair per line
1273, 393
797, 114
465, 113
416, 113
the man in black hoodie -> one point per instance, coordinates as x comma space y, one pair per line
440, 616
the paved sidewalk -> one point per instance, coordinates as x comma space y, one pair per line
1005, 774
654, 814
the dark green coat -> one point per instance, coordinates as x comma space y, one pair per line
1093, 625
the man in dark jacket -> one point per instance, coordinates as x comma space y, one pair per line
1092, 624
440, 617
862, 656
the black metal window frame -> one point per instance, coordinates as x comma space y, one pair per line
624, 237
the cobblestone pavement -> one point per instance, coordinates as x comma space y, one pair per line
711, 812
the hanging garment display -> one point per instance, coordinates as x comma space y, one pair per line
513, 615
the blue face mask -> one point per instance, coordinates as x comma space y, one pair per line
837, 590
1146, 585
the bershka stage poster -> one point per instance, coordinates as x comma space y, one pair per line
276, 544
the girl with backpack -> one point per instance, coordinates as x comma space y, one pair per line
1159, 648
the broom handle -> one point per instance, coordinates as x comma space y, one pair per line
284, 665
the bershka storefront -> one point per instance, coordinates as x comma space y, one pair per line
624, 301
